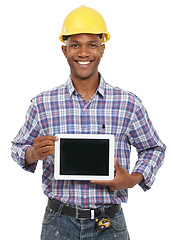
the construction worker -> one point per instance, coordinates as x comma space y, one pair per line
87, 104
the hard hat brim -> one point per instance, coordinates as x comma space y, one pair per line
105, 37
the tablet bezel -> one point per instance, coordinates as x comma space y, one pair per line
57, 174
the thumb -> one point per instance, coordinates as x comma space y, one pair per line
115, 161
117, 165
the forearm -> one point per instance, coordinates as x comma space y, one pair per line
137, 178
148, 165
30, 156
19, 153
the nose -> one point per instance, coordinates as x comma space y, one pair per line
83, 52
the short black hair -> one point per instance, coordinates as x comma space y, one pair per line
65, 37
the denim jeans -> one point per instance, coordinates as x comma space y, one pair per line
63, 227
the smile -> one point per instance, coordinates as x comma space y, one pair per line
83, 63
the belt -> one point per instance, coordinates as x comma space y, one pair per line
57, 206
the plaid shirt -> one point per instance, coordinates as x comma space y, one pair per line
110, 111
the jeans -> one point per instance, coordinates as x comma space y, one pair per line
62, 227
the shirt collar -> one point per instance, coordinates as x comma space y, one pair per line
70, 86
100, 89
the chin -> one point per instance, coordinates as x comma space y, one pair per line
84, 76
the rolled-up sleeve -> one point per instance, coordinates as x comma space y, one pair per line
150, 148
25, 139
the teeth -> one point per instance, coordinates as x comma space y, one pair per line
84, 63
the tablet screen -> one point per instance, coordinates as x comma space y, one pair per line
84, 156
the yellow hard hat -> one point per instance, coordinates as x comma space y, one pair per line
84, 20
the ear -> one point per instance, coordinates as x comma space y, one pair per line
102, 49
64, 50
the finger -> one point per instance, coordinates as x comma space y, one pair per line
44, 143
107, 183
45, 149
43, 156
43, 138
102, 182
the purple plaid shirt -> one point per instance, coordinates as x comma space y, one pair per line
64, 110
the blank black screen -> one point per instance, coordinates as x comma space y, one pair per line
84, 157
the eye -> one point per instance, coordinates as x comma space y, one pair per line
92, 45
75, 45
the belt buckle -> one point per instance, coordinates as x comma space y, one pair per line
91, 214
77, 215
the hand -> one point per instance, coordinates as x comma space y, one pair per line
42, 148
122, 179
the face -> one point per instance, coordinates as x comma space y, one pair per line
83, 53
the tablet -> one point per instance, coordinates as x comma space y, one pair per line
84, 157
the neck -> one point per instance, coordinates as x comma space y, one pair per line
86, 87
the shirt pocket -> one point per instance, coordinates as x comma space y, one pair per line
106, 128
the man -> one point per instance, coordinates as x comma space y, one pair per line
86, 103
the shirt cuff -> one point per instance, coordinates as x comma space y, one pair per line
19, 157
147, 172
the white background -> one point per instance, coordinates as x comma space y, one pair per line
138, 58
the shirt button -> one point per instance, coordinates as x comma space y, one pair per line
85, 196
85, 130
